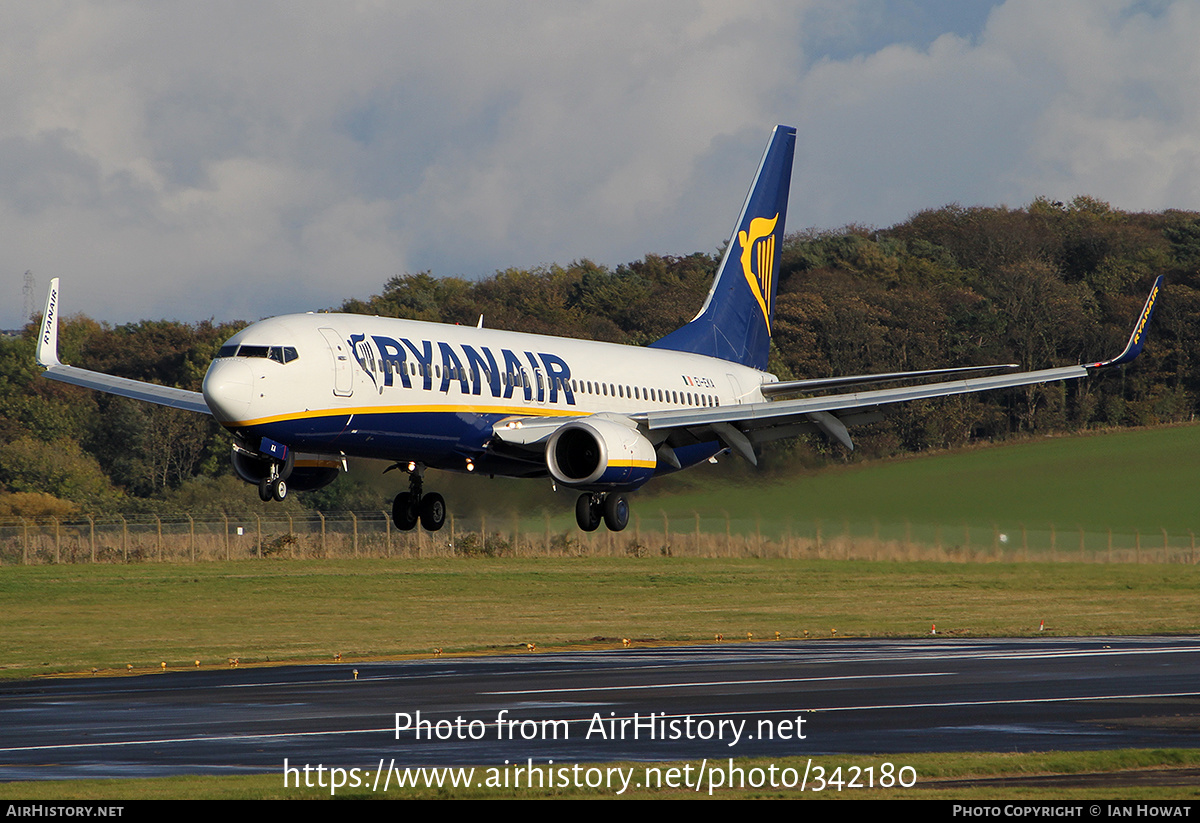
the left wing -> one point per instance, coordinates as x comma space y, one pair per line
740, 427
47, 356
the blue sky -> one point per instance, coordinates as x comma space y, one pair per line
244, 159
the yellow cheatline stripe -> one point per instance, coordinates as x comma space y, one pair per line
503, 411
318, 464
640, 464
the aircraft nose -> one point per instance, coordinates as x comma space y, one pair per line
227, 389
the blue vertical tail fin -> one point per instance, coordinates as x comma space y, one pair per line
735, 322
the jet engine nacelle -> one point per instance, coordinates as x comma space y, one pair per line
253, 468
600, 452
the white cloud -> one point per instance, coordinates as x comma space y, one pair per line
241, 159
1056, 98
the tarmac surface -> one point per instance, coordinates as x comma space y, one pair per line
766, 698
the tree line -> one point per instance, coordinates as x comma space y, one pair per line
1046, 285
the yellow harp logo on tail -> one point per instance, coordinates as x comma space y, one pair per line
758, 259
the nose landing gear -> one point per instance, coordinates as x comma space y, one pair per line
269, 490
274, 485
414, 504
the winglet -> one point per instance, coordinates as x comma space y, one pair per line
1136, 340
47, 345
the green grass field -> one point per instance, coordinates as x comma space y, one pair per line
75, 618
78, 617
71, 619
1125, 480
1146, 479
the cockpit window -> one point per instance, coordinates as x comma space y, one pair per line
283, 354
280, 354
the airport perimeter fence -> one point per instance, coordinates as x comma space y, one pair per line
314, 535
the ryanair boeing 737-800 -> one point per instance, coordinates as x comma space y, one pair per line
303, 392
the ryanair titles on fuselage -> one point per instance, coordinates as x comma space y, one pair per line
390, 362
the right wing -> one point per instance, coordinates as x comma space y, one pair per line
770, 390
47, 356
740, 427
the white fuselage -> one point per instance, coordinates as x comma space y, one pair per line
408, 390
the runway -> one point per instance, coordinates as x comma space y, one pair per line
743, 699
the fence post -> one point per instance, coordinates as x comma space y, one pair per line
158, 521
92, 536
225, 517
57, 547
124, 538
483, 532
258, 530
354, 518
192, 537
697, 514
387, 528
24, 542
323, 552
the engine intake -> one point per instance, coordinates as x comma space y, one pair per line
307, 473
600, 453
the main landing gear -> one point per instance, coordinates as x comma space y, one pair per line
414, 505
592, 507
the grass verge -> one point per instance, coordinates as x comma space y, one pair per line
1132, 774
73, 619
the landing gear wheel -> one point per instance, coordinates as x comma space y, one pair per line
279, 489
433, 511
264, 490
587, 513
404, 511
616, 512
